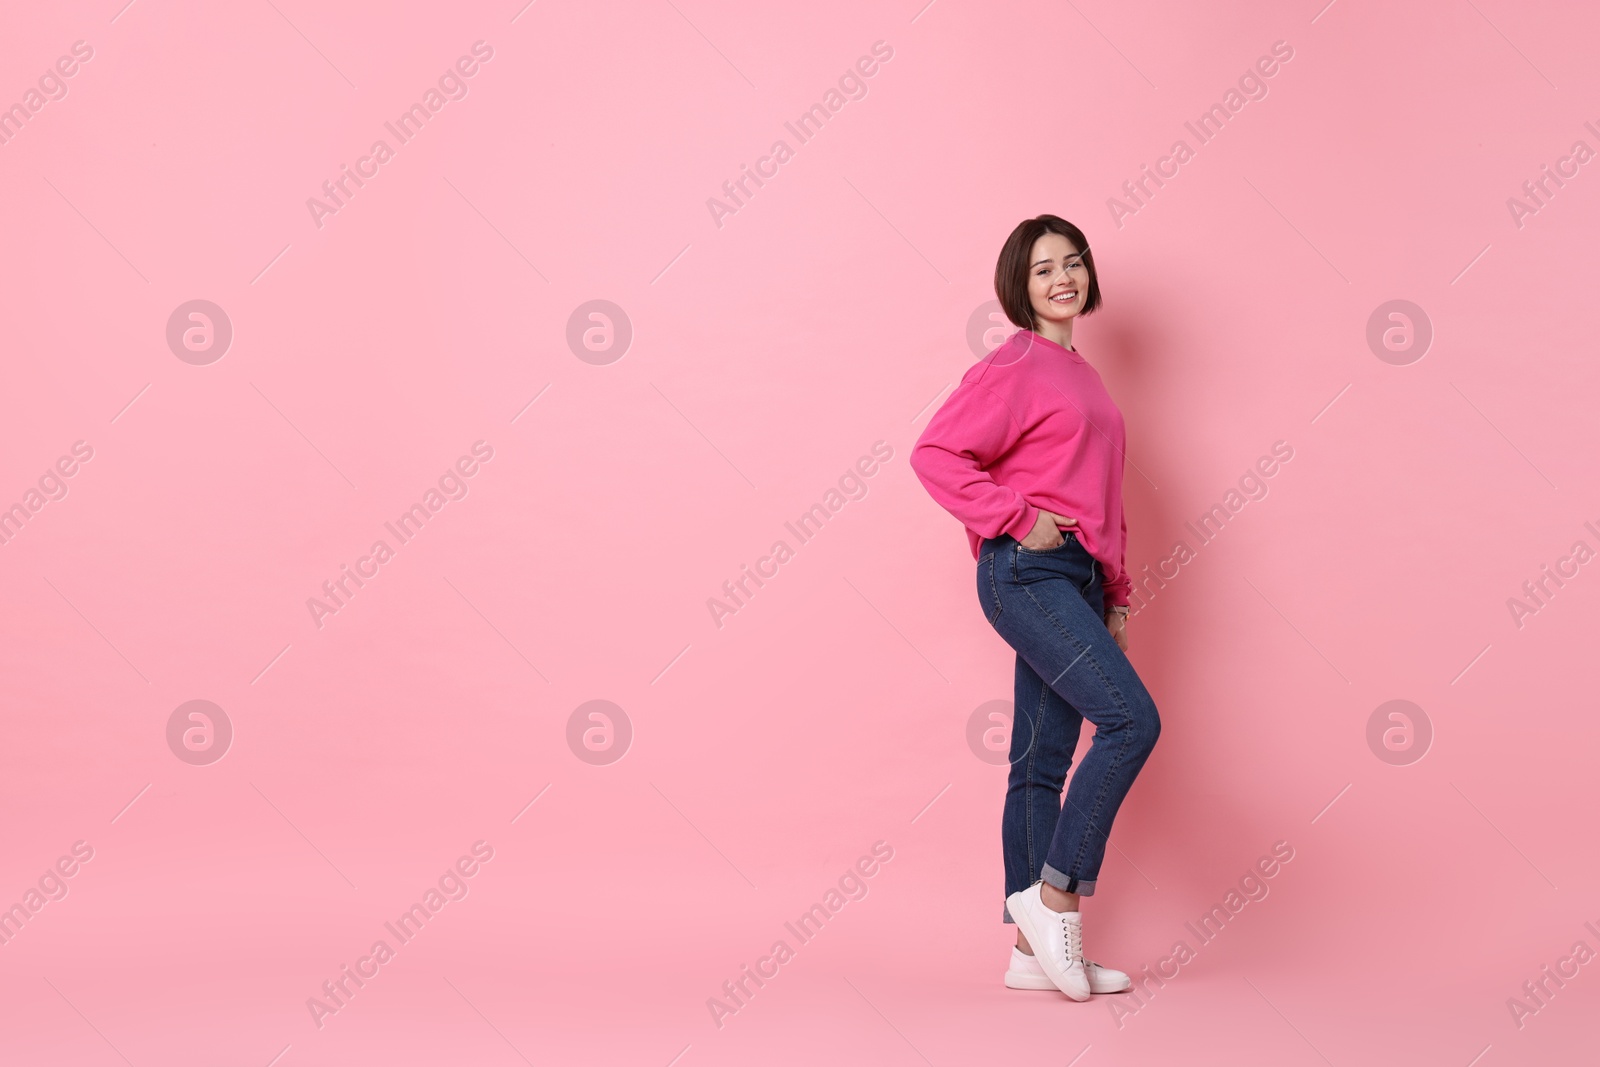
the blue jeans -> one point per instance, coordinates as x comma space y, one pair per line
1049, 607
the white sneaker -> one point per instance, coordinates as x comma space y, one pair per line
1025, 973
1056, 938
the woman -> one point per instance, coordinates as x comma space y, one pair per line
1027, 453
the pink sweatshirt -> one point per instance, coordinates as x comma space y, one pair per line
1031, 426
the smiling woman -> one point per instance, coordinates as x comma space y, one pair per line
1028, 453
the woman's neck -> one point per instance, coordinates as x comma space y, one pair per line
1060, 333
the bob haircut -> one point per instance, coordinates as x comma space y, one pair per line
1011, 270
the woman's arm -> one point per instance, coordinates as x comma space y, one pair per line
1117, 591
972, 429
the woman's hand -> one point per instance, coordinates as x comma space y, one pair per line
1117, 623
1044, 534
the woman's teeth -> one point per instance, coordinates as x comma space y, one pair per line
1065, 298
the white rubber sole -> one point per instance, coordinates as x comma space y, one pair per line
1015, 980
1024, 980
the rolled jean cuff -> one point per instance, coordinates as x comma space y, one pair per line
1067, 883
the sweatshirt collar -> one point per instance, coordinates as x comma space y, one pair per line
1047, 345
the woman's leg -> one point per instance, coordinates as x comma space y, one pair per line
1044, 736
1050, 606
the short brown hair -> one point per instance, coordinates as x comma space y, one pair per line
1011, 270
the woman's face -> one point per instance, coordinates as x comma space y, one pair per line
1058, 282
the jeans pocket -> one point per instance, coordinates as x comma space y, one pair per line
988, 589
1067, 539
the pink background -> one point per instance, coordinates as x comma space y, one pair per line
768, 354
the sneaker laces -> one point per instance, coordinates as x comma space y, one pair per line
1073, 933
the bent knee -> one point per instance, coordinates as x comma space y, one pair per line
1144, 722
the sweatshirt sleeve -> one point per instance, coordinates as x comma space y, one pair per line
972, 429
1118, 590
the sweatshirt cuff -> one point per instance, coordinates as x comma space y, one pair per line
1023, 526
